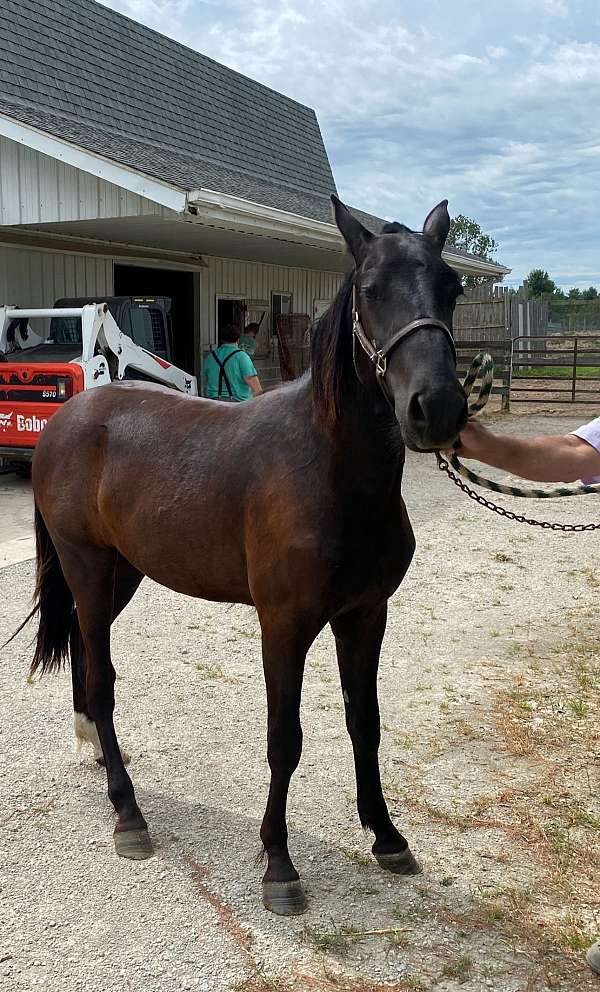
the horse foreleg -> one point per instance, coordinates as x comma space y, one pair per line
283, 661
358, 637
90, 573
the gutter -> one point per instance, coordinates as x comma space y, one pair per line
210, 207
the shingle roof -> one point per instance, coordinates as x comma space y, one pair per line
94, 77
91, 76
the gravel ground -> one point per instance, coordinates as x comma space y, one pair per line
191, 711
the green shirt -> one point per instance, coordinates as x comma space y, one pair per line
238, 369
248, 343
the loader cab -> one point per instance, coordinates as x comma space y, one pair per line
145, 319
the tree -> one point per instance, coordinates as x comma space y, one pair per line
575, 293
466, 235
590, 294
540, 284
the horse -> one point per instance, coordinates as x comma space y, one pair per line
290, 503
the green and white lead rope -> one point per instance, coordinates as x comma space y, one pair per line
483, 365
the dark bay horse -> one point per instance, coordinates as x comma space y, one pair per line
290, 503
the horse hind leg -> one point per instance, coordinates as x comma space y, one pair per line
83, 725
127, 581
90, 574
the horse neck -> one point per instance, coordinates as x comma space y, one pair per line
369, 451
365, 442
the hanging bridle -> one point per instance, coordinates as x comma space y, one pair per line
379, 356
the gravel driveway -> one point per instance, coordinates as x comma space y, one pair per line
489, 694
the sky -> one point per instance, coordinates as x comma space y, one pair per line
493, 105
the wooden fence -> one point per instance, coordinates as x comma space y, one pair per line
495, 313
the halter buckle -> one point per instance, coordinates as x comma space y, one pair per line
380, 362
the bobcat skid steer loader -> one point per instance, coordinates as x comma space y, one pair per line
46, 356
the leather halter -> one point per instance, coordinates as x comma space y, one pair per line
379, 356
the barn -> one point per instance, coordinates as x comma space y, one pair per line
130, 164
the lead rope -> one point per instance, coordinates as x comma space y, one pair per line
483, 365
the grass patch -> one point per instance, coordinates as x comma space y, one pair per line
341, 938
359, 858
555, 372
578, 707
207, 671
460, 969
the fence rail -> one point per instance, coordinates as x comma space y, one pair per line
557, 369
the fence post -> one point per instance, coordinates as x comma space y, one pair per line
508, 377
574, 379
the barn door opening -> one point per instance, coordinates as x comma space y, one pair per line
137, 280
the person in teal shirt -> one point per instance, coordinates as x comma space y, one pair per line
229, 372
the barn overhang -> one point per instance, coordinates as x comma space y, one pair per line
73, 197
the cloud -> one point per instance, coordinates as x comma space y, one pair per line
556, 8
419, 101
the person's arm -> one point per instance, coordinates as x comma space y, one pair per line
254, 382
562, 458
249, 373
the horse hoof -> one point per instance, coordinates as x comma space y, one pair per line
133, 844
284, 898
400, 863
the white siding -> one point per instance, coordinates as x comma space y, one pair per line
37, 279
36, 189
256, 281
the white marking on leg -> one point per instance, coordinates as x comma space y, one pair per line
86, 733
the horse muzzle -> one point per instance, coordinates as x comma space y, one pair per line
434, 418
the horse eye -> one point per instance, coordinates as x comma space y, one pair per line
370, 291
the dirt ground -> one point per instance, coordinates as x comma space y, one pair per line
489, 690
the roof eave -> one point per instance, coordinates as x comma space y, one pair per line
474, 266
206, 205
213, 207
110, 171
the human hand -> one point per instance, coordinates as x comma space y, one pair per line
475, 441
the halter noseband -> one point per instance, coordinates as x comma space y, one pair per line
379, 356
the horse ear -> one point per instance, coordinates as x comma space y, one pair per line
354, 234
437, 225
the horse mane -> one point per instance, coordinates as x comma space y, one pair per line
331, 351
393, 227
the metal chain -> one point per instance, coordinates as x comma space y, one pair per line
503, 512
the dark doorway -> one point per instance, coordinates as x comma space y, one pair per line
230, 312
134, 280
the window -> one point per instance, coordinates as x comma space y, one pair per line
280, 303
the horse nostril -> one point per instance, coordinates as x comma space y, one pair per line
416, 411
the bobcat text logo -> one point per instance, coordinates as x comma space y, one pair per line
32, 425
5, 421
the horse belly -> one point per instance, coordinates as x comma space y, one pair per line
188, 554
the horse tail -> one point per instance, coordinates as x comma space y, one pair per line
53, 602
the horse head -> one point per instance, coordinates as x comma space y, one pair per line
404, 296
